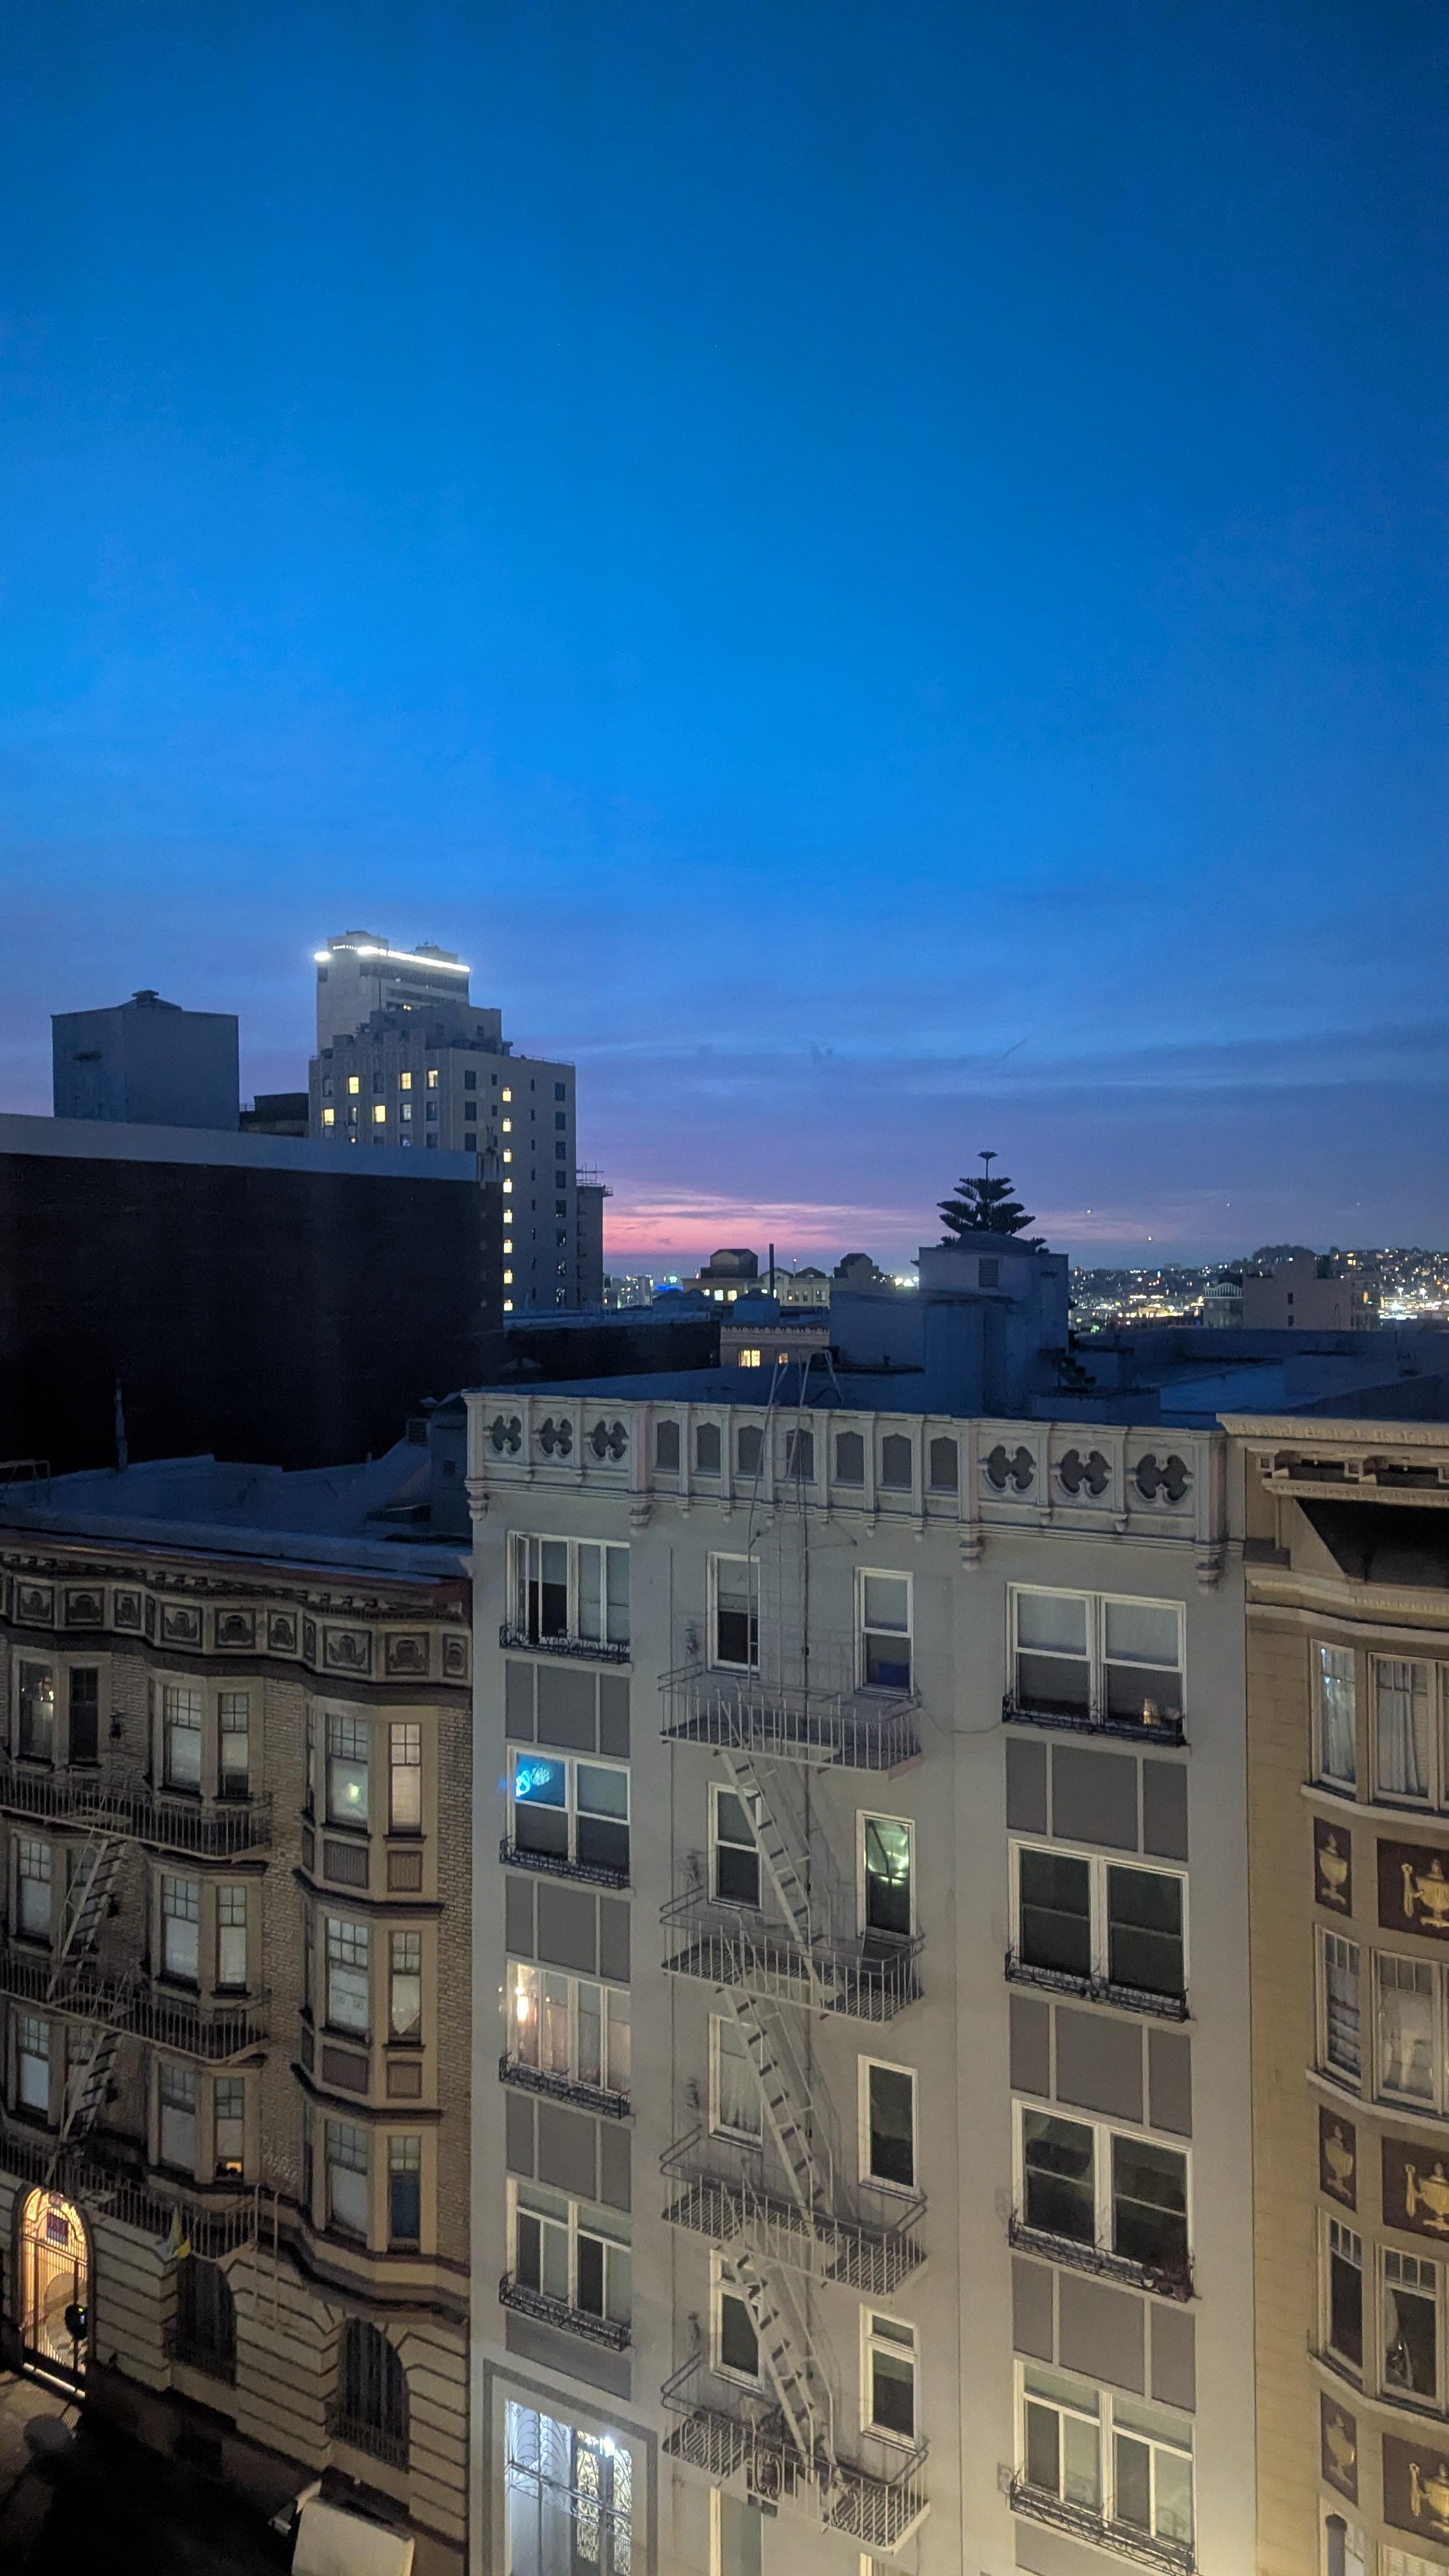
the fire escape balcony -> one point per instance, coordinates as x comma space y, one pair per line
721, 2195
214, 2226
202, 1828
868, 1977
861, 1730
140, 2006
875, 2496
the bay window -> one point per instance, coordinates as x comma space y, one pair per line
231, 1937
1412, 2314
405, 1985
348, 1745
1337, 1716
181, 1929
1340, 2014
347, 2002
404, 2191
1409, 2030
177, 2090
35, 1741
233, 1722
347, 2178
181, 1716
404, 1777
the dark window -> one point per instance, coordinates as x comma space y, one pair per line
750, 1449
85, 1713
37, 1711
1144, 1930
560, 1118
372, 2397
1056, 1913
739, 2348
1345, 2305
736, 1859
895, 1462
707, 1449
849, 1458
205, 2319
666, 1447
989, 1274
944, 1467
560, 1091
890, 2126
540, 1806
404, 2191
1057, 2175
548, 1590
1149, 2203
800, 1456
470, 1083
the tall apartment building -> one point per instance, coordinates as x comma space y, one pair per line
861, 2056
422, 1068
234, 1972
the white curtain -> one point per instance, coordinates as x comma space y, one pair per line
1402, 1712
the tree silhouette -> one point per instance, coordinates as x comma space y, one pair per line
985, 1205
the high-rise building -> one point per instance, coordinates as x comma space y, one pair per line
427, 1073
147, 1062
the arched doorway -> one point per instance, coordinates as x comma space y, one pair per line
54, 2285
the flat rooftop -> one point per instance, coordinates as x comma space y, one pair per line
115, 1140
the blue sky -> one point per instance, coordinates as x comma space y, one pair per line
879, 570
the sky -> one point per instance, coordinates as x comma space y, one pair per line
877, 568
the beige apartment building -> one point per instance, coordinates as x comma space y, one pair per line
234, 1975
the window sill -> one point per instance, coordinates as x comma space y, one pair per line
1078, 2519
1096, 1990
565, 2088
1128, 1730
556, 2312
1164, 2282
554, 1865
589, 1650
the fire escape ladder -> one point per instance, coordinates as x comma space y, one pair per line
95, 1868
786, 1877
783, 2334
788, 2114
87, 2082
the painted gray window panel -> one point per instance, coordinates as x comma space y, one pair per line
518, 2115
1049, 2553
1031, 2045
614, 2164
614, 1715
1031, 2308
568, 2150
518, 1917
1101, 2331
1026, 1787
554, 2350
1099, 2063
1094, 1796
1164, 1809
1174, 2358
566, 1917
614, 1939
1169, 2072
566, 1707
518, 1701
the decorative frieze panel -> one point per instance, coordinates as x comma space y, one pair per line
1413, 1889
1416, 2485
1416, 2188
1337, 2157
1332, 1865
1339, 2446
181, 1615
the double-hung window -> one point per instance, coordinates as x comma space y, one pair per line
405, 1985
887, 1877
233, 1728
1123, 2467
572, 2027
347, 2178
32, 2063
85, 1713
181, 1929
1085, 1658
347, 1976
734, 2345
888, 2124
1101, 1923
231, 1937
568, 2250
888, 2377
1107, 2189
572, 1813
883, 1630
734, 1613
735, 2103
1409, 2031
347, 1751
35, 1734
734, 1854
1337, 1716
1412, 2313
404, 2191
1343, 2293
569, 1591
229, 2107
1340, 2008
32, 1888
404, 1777
178, 2088
181, 1716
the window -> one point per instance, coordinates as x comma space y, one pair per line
1340, 2039
1409, 2017
180, 1736
1106, 2188
405, 1985
1412, 2328
749, 1449
347, 2178
706, 1449
751, 1358
887, 1876
205, 2318
570, 1588
1109, 1925
433, 1077
883, 1616
37, 1713
800, 1457
1401, 1707
734, 1620
945, 1467
233, 1720
404, 1082
32, 2063
571, 1811
736, 2530
1337, 1717
888, 2124
404, 1777
1126, 2465
895, 1463
405, 1109
329, 1117
849, 1458
734, 1876
347, 1967
85, 1713
379, 1113
1079, 1655
735, 2345
470, 1083
177, 2087
571, 2027
1151, 2471
181, 1929
430, 1111
888, 2377
1061, 2439
570, 2251
404, 2191
354, 1084
229, 2122
32, 1889
231, 1936
347, 1747
666, 1447
735, 2106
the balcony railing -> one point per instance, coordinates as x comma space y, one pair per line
876, 2497
203, 1828
726, 1945
1168, 2280
194, 2353
1079, 1721
1097, 1990
590, 1873
564, 2088
360, 2434
141, 2008
516, 2294
722, 2196
843, 1730
212, 2230
1120, 2537
589, 1650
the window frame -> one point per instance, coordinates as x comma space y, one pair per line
1330, 2229
716, 2125
1435, 1800
570, 1764
1108, 2399
717, 1662
332, 2224
22, 1877
718, 1842
1327, 1939
174, 1913
524, 1580
887, 2182
349, 1928
866, 1930
358, 1722
1318, 1648
905, 2339
610, 1994
586, 2220
48, 1667
1096, 1659
1104, 2133
185, 2082
1438, 2102
1099, 1866
1395, 2391
722, 2286
865, 1574
409, 1767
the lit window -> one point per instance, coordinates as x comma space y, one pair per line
405, 1777
507, 1189
563, 1810
432, 1077
507, 1095
404, 1082
570, 2027
379, 1113
750, 1359
406, 1109
507, 1154
347, 1744
354, 1084
347, 1964
508, 1305
507, 1278
508, 1243
230, 2117
507, 1123
329, 1117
